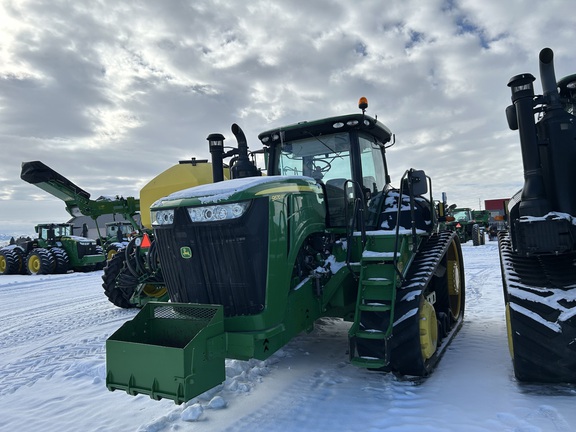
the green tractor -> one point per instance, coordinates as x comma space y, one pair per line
55, 250
251, 262
78, 203
469, 224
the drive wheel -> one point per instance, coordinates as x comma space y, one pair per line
40, 261
154, 291
8, 262
476, 235
20, 258
62, 262
455, 282
428, 330
118, 283
111, 251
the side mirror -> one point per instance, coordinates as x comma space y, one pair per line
419, 182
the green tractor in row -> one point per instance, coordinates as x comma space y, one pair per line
55, 250
468, 224
251, 262
79, 203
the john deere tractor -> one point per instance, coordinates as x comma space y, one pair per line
469, 224
55, 250
251, 262
538, 251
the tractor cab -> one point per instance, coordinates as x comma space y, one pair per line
53, 232
345, 155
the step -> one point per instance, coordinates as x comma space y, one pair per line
374, 307
377, 257
379, 282
367, 334
368, 362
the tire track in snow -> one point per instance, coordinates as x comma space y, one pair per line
87, 357
46, 315
46, 335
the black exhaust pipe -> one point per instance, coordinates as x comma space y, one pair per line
243, 166
548, 78
216, 142
557, 132
533, 201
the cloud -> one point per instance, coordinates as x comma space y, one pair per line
112, 93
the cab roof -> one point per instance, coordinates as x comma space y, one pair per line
327, 126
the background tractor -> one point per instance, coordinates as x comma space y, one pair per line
469, 224
538, 251
78, 203
251, 262
55, 250
132, 275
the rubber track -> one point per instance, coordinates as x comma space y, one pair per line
541, 294
405, 350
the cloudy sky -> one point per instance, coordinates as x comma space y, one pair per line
111, 93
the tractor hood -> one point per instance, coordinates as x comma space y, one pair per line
238, 190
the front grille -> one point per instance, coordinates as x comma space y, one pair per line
86, 249
228, 263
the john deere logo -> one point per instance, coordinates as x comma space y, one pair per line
185, 252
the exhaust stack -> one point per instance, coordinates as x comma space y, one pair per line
243, 166
534, 201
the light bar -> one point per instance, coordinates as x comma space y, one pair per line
218, 212
162, 217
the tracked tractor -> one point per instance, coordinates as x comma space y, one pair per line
251, 262
538, 251
55, 250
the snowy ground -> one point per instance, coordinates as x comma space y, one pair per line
53, 331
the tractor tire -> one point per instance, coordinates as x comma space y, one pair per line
475, 235
62, 261
19, 254
9, 263
40, 262
118, 283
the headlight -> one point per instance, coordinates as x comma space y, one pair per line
218, 212
162, 217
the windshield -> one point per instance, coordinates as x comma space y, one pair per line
462, 215
58, 231
322, 158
